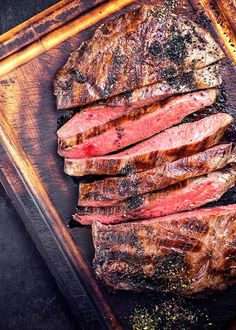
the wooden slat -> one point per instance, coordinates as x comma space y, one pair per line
63, 256
61, 34
42, 24
228, 8
222, 25
32, 175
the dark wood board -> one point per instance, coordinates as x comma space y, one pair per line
45, 197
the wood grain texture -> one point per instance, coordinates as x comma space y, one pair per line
221, 18
60, 34
228, 9
32, 174
41, 206
41, 24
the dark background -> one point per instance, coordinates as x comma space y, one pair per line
29, 296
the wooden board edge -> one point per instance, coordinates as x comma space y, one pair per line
222, 25
41, 24
61, 34
63, 257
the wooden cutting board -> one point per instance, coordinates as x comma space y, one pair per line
32, 173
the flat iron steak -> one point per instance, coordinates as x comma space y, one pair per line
136, 49
174, 143
110, 190
186, 195
133, 126
186, 253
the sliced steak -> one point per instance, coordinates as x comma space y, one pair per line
134, 50
109, 191
115, 107
185, 253
174, 143
204, 78
186, 195
134, 126
89, 118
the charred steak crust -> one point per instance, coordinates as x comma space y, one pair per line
110, 190
208, 77
185, 253
136, 50
134, 126
174, 143
186, 195
145, 60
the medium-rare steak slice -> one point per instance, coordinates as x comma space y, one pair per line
109, 191
204, 78
174, 143
134, 50
89, 118
208, 77
186, 195
185, 253
134, 126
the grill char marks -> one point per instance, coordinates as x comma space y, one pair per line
109, 191
187, 195
174, 143
208, 77
133, 126
89, 118
131, 49
177, 253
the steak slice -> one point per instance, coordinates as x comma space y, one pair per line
186, 195
109, 191
89, 118
174, 143
94, 116
204, 78
186, 253
134, 126
134, 50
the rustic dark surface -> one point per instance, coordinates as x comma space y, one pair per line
213, 312
30, 298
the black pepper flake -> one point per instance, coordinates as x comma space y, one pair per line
222, 98
168, 73
176, 48
126, 95
111, 80
106, 92
155, 49
186, 80
135, 202
79, 77
172, 313
161, 13
127, 169
118, 58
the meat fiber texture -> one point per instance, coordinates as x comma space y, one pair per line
186, 253
115, 107
186, 195
110, 190
134, 126
174, 143
204, 78
136, 50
